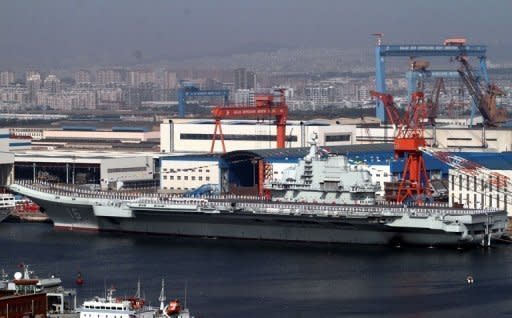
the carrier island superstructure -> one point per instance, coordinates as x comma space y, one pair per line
323, 199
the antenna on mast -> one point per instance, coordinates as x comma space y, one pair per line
378, 36
186, 283
162, 297
137, 294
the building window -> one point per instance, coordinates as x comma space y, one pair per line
453, 182
460, 182
474, 200
467, 183
332, 138
185, 178
207, 178
474, 183
165, 177
129, 169
240, 137
200, 178
193, 178
207, 170
171, 177
178, 178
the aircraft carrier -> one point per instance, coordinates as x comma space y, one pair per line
323, 199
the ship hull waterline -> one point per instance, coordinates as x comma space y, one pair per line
80, 217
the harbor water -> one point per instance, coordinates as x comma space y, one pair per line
232, 278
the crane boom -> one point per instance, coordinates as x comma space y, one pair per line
433, 105
470, 168
485, 100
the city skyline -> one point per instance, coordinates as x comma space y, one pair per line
61, 34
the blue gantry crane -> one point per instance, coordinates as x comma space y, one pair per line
189, 89
453, 49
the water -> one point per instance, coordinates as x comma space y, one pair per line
253, 279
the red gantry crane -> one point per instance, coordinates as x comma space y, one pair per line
409, 139
268, 105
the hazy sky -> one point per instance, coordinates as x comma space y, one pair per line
52, 33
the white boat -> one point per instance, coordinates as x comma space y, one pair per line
130, 307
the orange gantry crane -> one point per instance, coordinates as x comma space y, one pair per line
268, 105
408, 141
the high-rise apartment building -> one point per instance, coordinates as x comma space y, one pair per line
240, 78
33, 87
139, 77
110, 75
170, 81
29, 74
82, 76
244, 79
251, 80
52, 84
6, 78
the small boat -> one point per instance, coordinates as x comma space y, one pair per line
131, 307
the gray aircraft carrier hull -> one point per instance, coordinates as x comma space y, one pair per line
240, 225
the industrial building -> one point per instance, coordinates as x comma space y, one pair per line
89, 137
487, 187
189, 172
195, 135
104, 169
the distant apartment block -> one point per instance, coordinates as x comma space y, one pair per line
52, 84
244, 79
82, 76
169, 80
69, 100
106, 76
33, 86
244, 97
29, 74
6, 78
317, 95
139, 77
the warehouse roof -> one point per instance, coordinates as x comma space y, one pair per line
301, 152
